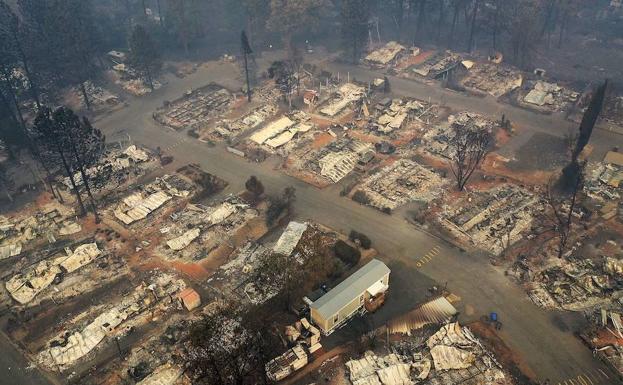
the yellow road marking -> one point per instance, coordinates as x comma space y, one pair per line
428, 256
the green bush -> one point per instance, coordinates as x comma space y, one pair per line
346, 253
363, 239
361, 197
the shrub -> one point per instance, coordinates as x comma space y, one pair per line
361, 238
361, 197
346, 253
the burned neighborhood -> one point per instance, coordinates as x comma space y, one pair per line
311, 192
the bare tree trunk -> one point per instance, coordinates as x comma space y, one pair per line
455, 17
563, 26
70, 174
85, 96
420, 21
246, 71
33, 88
496, 17
470, 44
160, 14
440, 20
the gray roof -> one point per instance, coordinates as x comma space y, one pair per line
350, 288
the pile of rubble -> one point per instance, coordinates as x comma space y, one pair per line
115, 169
548, 96
402, 182
438, 65
149, 198
98, 96
197, 230
385, 55
436, 140
87, 330
237, 276
493, 79
196, 108
306, 338
24, 286
451, 355
579, 284
232, 128
605, 336
336, 160
347, 95
280, 132
492, 220
605, 179
392, 115
53, 220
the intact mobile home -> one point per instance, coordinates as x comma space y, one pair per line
364, 289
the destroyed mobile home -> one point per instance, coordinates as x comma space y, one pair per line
331, 163
283, 133
547, 97
242, 277
346, 97
604, 181
492, 79
385, 55
451, 355
399, 183
436, 140
83, 334
149, 198
579, 284
25, 286
392, 115
492, 220
25, 232
195, 109
196, 231
115, 169
124, 75
227, 129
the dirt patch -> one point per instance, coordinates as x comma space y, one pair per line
541, 152
322, 140
496, 165
510, 360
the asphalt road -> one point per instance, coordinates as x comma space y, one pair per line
541, 338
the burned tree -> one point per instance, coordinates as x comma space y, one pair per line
468, 148
283, 75
277, 205
12, 46
144, 55
254, 186
228, 346
571, 173
52, 147
246, 51
561, 207
355, 15
86, 144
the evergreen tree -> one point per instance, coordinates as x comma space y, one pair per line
86, 145
54, 150
355, 15
144, 55
246, 51
589, 119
